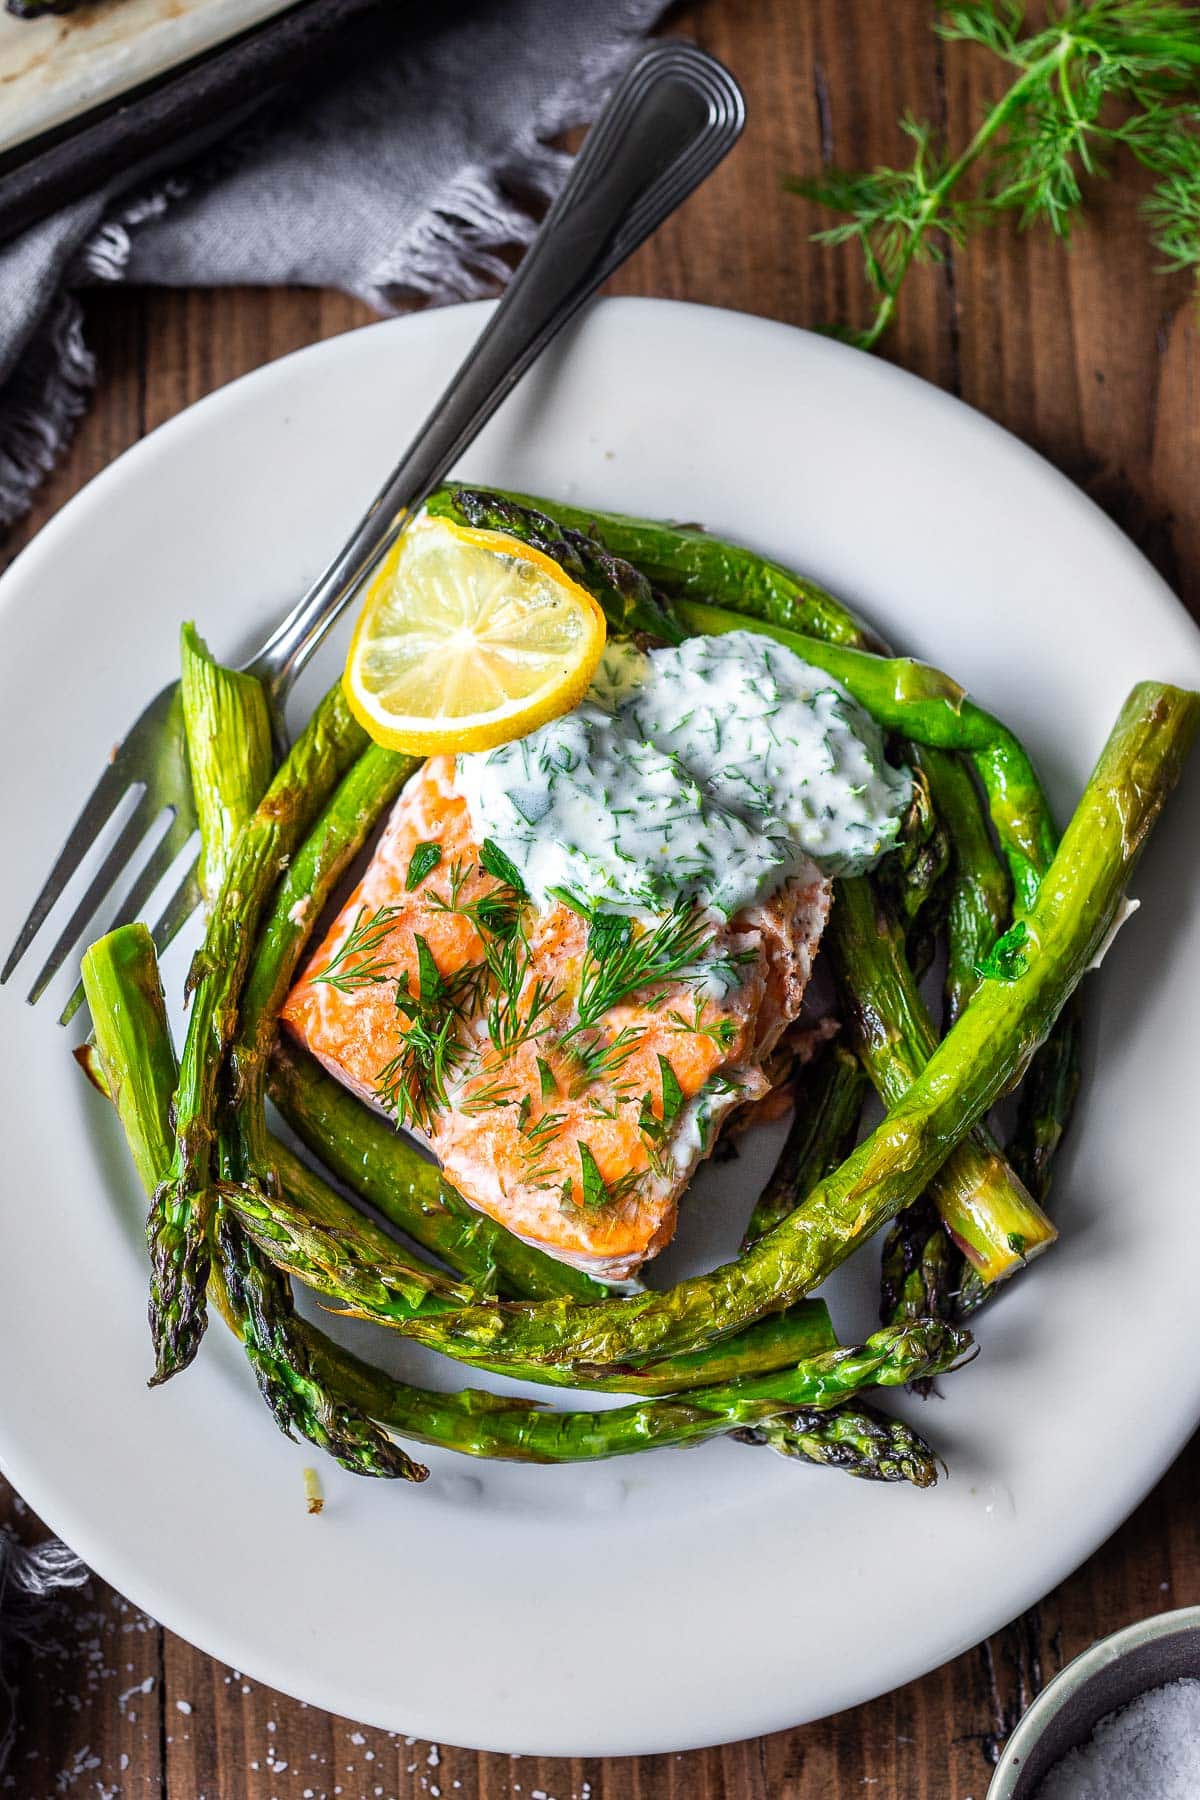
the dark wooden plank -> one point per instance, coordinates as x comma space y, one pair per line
1087, 353
89, 1695
1101, 371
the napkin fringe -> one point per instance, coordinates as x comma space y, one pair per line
105, 256
52, 383
457, 250
39, 404
32, 1576
462, 248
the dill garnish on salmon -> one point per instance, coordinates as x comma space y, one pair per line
572, 957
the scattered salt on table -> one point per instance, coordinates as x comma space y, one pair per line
1150, 1747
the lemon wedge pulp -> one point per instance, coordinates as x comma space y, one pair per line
468, 639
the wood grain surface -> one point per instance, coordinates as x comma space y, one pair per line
1093, 358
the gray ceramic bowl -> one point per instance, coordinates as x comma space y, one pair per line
1110, 1674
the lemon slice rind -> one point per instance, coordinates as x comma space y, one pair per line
468, 639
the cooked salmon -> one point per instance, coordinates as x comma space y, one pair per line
579, 1140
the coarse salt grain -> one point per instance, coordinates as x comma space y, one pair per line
1150, 1747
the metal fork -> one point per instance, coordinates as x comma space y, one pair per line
672, 118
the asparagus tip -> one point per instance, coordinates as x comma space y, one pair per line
180, 1264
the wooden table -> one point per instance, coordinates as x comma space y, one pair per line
1093, 358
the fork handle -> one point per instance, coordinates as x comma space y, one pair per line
674, 115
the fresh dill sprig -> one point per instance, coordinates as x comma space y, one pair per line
412, 1085
623, 959
596, 1108
1097, 76
656, 1127
720, 1032
598, 1058
1172, 208
537, 1134
513, 1014
496, 913
498, 1091
366, 936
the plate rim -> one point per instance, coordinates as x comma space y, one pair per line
53, 1508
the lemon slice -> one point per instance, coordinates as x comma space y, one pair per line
468, 639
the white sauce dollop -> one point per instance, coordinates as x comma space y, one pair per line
712, 770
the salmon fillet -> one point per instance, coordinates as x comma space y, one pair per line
579, 1141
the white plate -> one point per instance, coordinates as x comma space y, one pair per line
691, 1596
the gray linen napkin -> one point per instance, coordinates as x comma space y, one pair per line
405, 178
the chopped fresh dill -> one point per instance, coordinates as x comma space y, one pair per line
495, 913
496, 1092
539, 1133
514, 1013
603, 1109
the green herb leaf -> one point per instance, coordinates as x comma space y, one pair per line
595, 1193
549, 1085
1006, 960
428, 974
494, 862
425, 858
672, 1093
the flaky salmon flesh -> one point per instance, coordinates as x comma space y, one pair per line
579, 1140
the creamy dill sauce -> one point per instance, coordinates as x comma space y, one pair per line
712, 770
